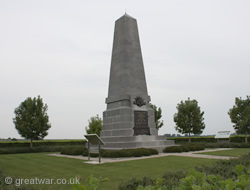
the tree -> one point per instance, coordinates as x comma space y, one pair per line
158, 116
189, 118
95, 125
31, 119
240, 116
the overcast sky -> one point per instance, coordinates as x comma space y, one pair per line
61, 50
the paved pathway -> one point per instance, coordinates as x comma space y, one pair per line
185, 154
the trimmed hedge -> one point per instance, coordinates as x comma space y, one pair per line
138, 152
153, 151
221, 145
184, 148
177, 140
198, 147
117, 154
227, 145
8, 144
73, 150
209, 139
16, 150
85, 153
173, 149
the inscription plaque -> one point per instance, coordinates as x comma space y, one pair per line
141, 123
141, 118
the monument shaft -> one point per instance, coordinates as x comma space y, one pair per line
127, 72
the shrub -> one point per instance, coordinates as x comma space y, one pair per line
224, 145
185, 149
73, 150
196, 147
133, 183
239, 145
114, 154
82, 150
138, 152
179, 140
173, 149
12, 144
125, 153
16, 150
168, 149
227, 145
153, 151
208, 139
239, 138
90, 183
177, 149
158, 186
192, 147
224, 168
211, 145
172, 178
117, 153
200, 147
198, 180
85, 153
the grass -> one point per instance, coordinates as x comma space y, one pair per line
236, 152
43, 166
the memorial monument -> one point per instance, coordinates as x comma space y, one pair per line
128, 121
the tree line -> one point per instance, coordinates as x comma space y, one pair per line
32, 121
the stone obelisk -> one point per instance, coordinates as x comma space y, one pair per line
128, 121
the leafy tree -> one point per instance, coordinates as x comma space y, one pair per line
189, 118
240, 116
158, 115
95, 125
31, 119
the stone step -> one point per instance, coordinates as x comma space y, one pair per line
159, 148
145, 141
134, 144
134, 138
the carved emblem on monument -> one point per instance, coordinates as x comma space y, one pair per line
139, 101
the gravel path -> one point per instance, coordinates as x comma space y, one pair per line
185, 154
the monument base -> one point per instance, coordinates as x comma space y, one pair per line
139, 141
128, 126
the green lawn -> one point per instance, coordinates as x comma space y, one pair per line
236, 152
43, 166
